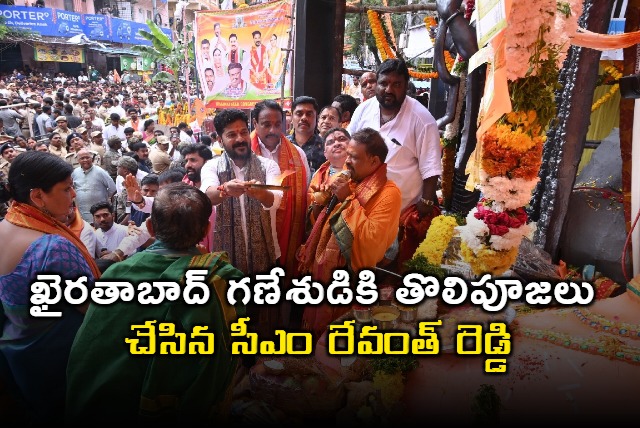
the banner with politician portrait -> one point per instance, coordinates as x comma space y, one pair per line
239, 56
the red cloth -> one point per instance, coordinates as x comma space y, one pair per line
413, 230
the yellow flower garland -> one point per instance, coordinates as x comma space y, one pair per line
430, 21
613, 71
437, 240
386, 52
487, 260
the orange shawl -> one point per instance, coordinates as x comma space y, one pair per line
77, 224
29, 217
291, 215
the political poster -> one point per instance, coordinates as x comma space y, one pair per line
58, 53
239, 54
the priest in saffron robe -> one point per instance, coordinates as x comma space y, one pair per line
355, 233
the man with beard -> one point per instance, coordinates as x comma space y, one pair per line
108, 233
218, 41
413, 140
245, 214
355, 232
267, 140
195, 156
258, 75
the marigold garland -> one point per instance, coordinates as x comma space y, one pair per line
612, 71
386, 52
487, 260
430, 21
438, 236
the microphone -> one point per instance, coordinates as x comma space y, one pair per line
334, 199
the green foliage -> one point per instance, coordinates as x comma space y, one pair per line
486, 405
164, 51
10, 34
419, 263
460, 218
392, 365
564, 8
537, 92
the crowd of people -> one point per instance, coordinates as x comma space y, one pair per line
94, 187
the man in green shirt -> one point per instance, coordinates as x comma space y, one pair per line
94, 74
106, 381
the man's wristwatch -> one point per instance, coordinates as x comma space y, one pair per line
426, 202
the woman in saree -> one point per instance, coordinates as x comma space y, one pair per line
34, 350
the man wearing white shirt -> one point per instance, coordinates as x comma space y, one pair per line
116, 108
127, 165
184, 135
108, 233
412, 137
245, 226
252, 243
134, 121
411, 134
114, 129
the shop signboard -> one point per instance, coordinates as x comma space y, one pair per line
50, 22
58, 53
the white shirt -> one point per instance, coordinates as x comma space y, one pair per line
117, 109
112, 130
120, 180
276, 153
186, 138
416, 155
88, 237
210, 179
131, 243
140, 125
111, 238
98, 123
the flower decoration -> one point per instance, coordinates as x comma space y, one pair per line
615, 73
512, 147
438, 236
